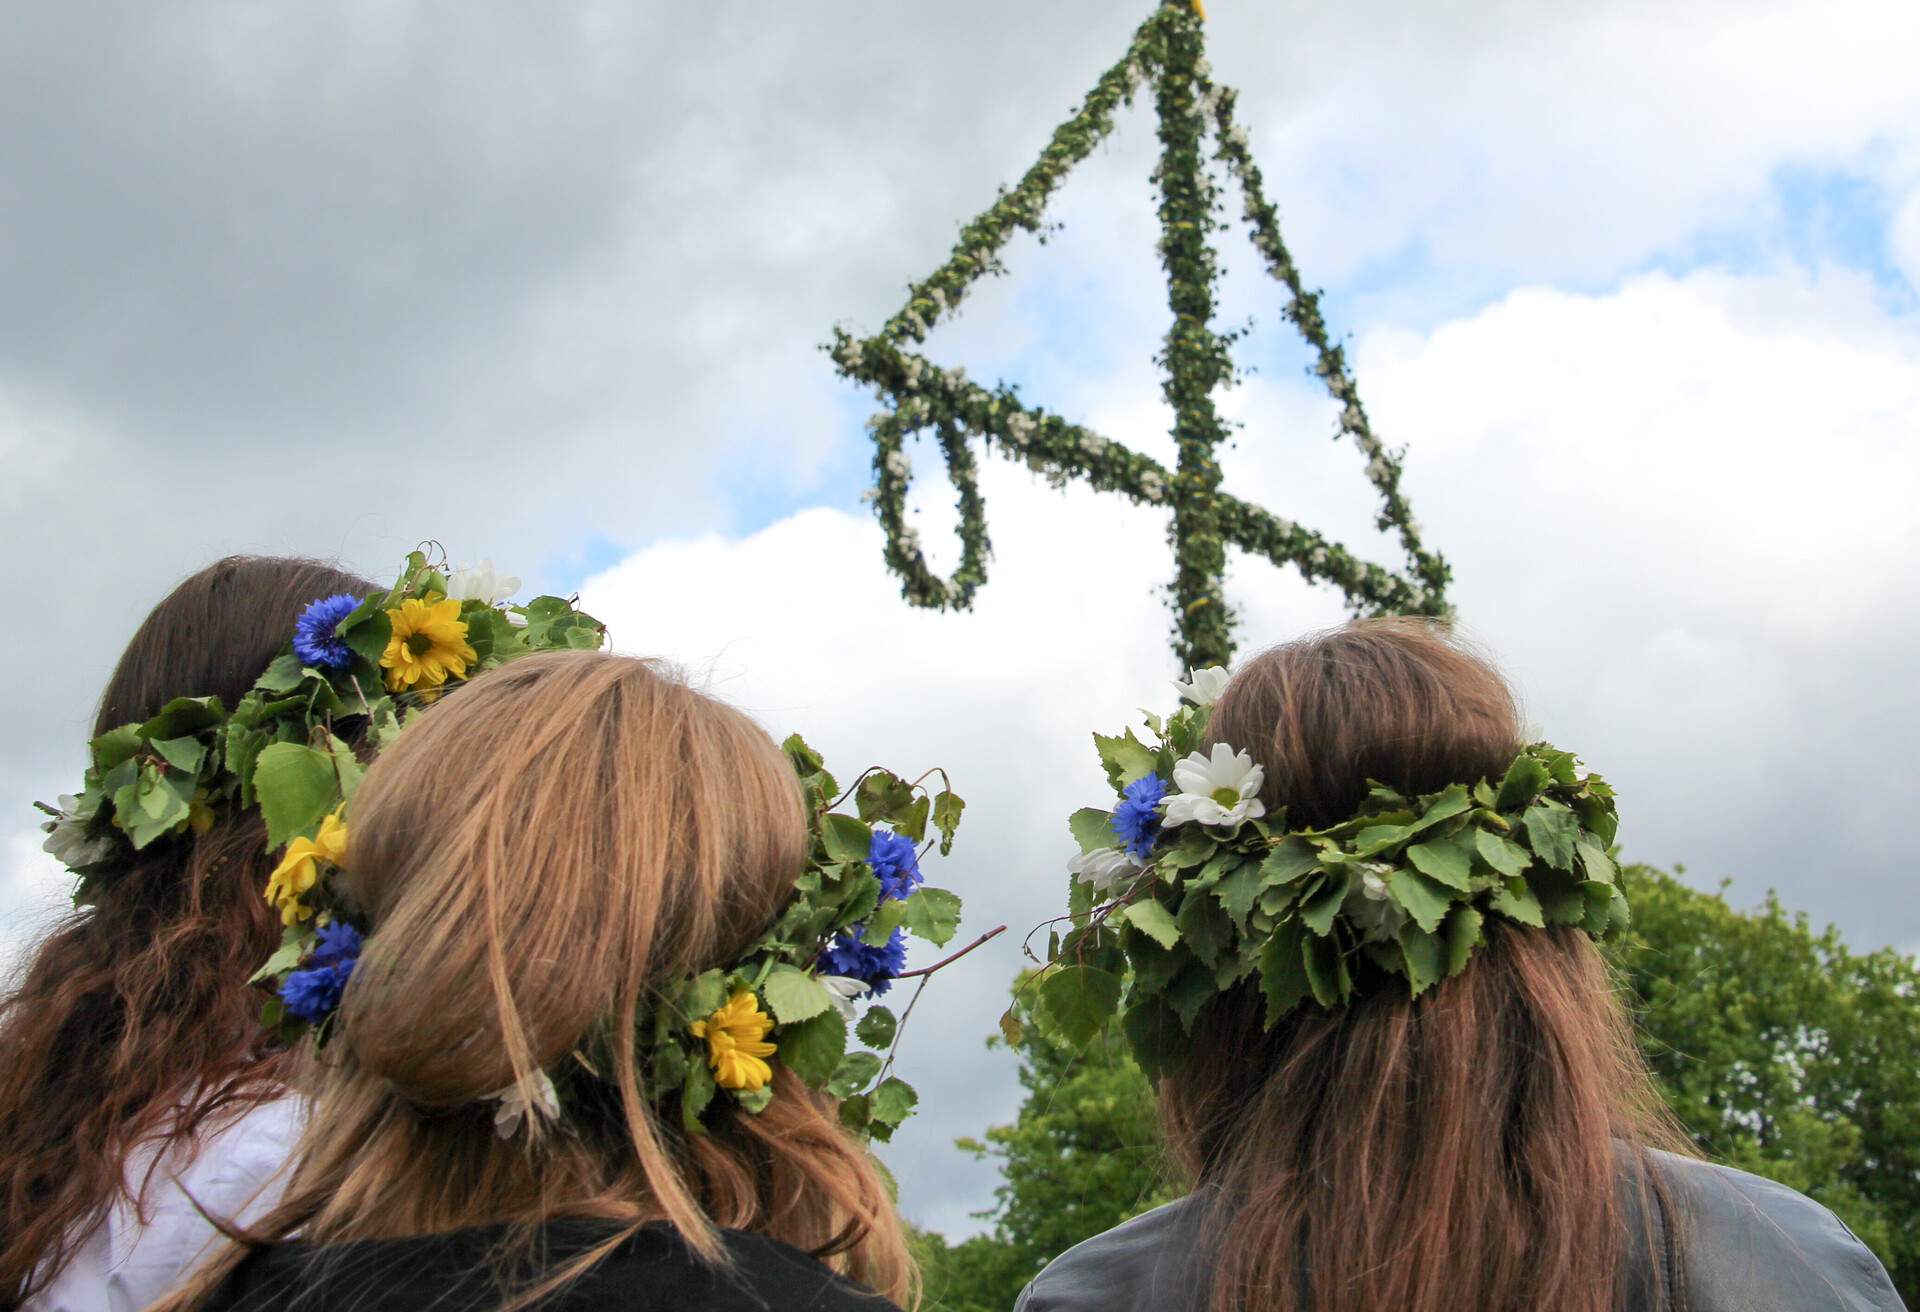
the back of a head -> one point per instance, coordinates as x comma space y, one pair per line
535, 861
132, 1019
1454, 1150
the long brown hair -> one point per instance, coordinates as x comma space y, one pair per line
553, 844
1461, 1150
132, 1022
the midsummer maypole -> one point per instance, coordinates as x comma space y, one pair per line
1168, 52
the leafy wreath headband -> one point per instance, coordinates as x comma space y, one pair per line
359, 669
1188, 887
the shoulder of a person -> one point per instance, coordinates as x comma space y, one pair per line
1140, 1263
762, 1273
1750, 1242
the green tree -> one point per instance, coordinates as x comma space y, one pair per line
1083, 1155
1782, 1053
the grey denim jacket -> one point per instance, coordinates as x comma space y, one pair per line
1750, 1246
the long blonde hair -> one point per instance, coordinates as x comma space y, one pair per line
534, 859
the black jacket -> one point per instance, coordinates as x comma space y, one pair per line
1749, 1245
654, 1271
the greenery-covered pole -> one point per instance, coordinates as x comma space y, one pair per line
922, 398
1195, 359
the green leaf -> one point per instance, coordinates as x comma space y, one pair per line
886, 918
877, 1028
932, 914
114, 747
1239, 891
1503, 854
1551, 831
1204, 925
856, 1113
1462, 936
1154, 1033
1126, 758
947, 807
855, 1072
695, 1094
882, 796
1191, 990
1153, 920
703, 995
793, 995
1093, 829
753, 1100
1283, 971
283, 675
1424, 899
911, 823
183, 754
184, 717
813, 1049
1378, 838
1444, 859
295, 941
805, 760
1449, 802
367, 629
1080, 1000
1319, 910
1525, 778
893, 1101
297, 787
1595, 861
1424, 955
1516, 901
1560, 897
1327, 976
1290, 859
845, 838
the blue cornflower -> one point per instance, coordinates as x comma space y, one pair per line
314, 991
1136, 821
312, 995
316, 638
896, 862
848, 956
339, 942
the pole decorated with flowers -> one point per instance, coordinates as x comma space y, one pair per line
1196, 360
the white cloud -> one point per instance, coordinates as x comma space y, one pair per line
34, 891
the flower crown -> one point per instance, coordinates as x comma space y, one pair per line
1187, 887
790, 997
371, 661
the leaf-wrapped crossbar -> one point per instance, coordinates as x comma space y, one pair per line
1167, 53
1398, 896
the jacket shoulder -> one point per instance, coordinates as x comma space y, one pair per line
1752, 1243
1139, 1264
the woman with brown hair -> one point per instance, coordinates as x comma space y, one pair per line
1408, 1080
132, 1088
539, 867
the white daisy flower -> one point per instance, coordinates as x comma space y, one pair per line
68, 841
1203, 687
481, 583
1221, 790
845, 991
515, 1108
1104, 869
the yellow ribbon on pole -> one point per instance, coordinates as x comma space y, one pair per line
1200, 9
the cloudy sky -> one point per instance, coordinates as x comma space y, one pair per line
1634, 283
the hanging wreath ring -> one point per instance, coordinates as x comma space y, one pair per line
893, 474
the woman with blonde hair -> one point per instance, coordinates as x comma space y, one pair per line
135, 1090
538, 868
1359, 914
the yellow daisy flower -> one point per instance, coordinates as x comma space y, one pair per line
736, 1043
428, 646
299, 869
